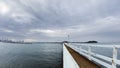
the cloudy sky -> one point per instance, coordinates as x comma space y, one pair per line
54, 20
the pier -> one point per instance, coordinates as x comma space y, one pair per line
77, 57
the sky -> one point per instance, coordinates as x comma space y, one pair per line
54, 20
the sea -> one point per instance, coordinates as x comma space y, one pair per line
39, 55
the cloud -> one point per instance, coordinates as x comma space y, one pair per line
30, 40
48, 32
7, 30
4, 8
102, 29
41, 31
53, 20
22, 18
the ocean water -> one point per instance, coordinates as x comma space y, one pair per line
31, 55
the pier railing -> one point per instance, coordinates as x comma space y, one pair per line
69, 62
100, 59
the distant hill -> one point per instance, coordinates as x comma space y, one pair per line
91, 42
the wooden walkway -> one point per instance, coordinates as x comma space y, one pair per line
82, 61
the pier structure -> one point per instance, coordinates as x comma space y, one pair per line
75, 56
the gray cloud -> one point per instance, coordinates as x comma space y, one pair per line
53, 20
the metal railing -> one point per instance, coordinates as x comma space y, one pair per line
68, 60
94, 56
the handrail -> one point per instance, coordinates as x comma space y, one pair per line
94, 56
98, 45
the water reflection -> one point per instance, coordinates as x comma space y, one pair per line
30, 55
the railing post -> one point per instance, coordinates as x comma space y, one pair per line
89, 52
80, 48
114, 57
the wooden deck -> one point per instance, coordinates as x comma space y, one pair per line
81, 61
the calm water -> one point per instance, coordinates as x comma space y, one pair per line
30, 55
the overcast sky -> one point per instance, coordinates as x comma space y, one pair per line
53, 20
